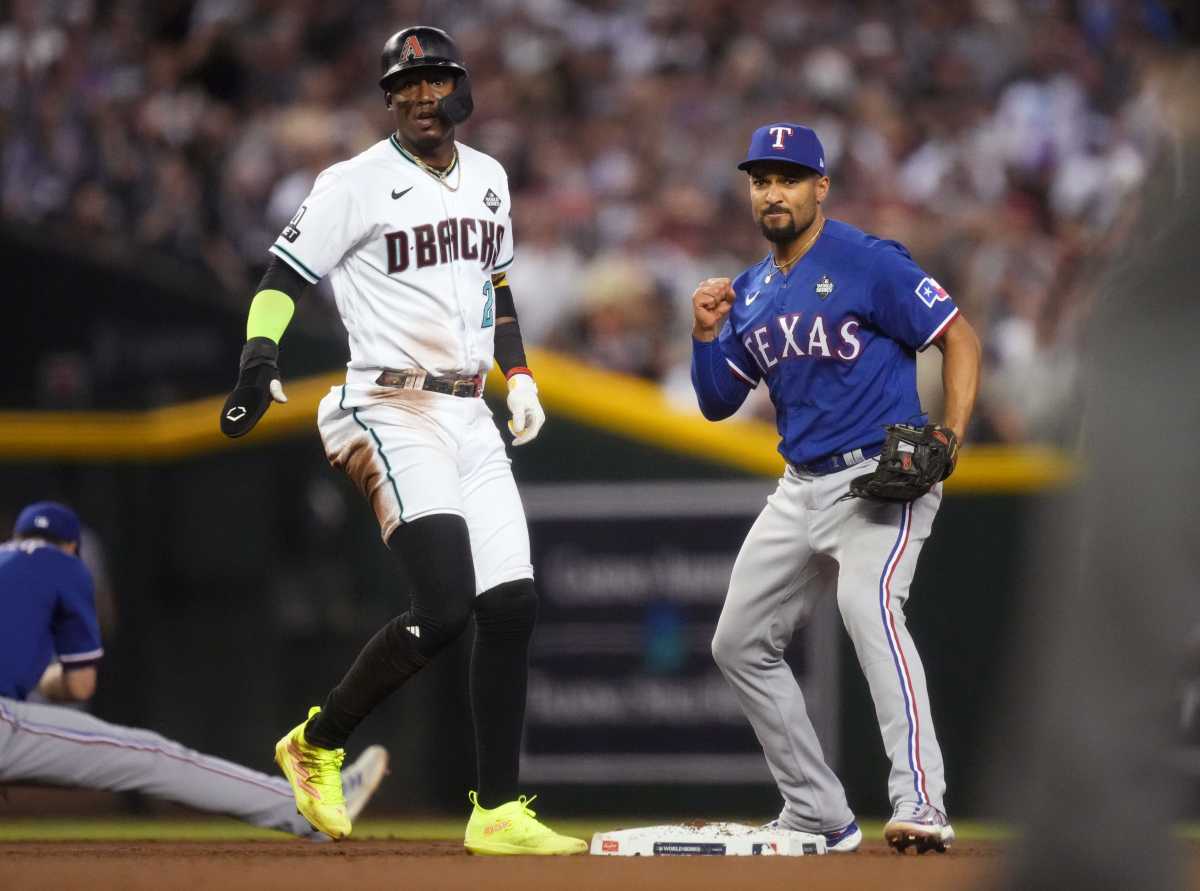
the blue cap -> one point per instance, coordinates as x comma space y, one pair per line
793, 143
49, 519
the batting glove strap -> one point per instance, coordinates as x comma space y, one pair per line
259, 351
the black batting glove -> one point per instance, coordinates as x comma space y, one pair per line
258, 385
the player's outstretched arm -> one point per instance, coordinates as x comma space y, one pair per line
258, 383
528, 416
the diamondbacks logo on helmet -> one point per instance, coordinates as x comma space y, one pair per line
411, 49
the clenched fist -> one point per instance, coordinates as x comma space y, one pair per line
711, 302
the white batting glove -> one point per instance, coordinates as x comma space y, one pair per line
527, 413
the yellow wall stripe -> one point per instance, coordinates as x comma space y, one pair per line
639, 410
622, 405
175, 431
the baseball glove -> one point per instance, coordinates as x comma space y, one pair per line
914, 459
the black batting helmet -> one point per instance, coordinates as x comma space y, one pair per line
422, 46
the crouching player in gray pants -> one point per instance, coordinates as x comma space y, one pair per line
50, 643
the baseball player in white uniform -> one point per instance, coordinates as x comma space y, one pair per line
415, 235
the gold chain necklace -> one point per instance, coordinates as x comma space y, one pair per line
440, 175
800, 253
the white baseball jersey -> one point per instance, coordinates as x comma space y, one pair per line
410, 259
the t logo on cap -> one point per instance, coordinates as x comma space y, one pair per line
788, 142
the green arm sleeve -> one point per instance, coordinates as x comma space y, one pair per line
270, 312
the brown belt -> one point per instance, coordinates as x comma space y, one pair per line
416, 379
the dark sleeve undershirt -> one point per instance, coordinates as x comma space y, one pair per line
282, 277
509, 348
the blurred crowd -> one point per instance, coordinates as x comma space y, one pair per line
999, 139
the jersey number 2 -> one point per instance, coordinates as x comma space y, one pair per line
489, 306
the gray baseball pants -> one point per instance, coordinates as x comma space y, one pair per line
63, 747
808, 544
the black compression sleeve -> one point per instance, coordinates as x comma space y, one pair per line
282, 277
505, 305
509, 348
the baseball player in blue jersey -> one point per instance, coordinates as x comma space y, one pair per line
50, 645
831, 320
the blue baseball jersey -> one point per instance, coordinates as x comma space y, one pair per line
48, 611
835, 339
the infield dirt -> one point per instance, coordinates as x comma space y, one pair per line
430, 866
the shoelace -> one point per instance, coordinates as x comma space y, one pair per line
320, 768
524, 803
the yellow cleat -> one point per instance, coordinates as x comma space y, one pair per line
512, 829
316, 778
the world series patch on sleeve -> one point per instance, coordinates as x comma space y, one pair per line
707, 839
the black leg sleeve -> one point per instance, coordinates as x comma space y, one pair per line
504, 619
436, 552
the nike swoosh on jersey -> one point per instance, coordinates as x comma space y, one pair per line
396, 194
750, 298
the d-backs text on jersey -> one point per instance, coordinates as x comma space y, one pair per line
452, 239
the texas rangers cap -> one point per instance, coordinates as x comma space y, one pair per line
50, 519
794, 143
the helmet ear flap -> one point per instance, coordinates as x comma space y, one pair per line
457, 106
